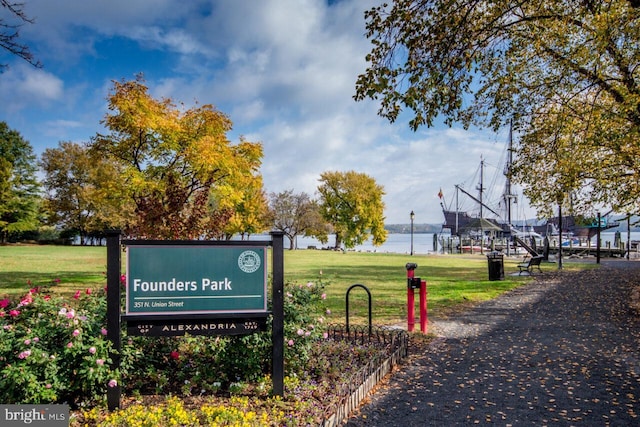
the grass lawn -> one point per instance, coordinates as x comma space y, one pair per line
453, 280
63, 269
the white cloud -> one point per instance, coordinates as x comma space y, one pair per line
175, 40
60, 128
25, 86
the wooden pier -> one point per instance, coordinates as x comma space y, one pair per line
586, 248
574, 248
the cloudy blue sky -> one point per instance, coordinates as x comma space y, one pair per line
283, 70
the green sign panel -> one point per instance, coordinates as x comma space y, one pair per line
196, 279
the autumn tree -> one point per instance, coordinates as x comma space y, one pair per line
297, 214
352, 203
12, 17
244, 206
84, 192
173, 159
566, 71
19, 198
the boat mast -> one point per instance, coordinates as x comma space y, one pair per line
507, 172
480, 187
457, 210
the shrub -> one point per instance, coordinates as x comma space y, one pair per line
54, 351
304, 323
198, 365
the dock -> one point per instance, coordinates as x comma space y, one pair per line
573, 248
585, 248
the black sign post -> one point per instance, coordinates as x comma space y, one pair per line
277, 332
217, 322
113, 310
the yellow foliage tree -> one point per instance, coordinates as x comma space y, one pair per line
174, 160
352, 203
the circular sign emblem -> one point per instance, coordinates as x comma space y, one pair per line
249, 261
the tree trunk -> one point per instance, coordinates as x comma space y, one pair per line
338, 241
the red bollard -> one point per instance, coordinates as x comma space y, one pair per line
411, 285
423, 307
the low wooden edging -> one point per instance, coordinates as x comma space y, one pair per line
361, 383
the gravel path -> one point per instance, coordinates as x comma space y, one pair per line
563, 351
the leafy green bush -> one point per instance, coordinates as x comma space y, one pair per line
54, 351
304, 318
199, 365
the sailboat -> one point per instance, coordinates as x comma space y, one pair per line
463, 223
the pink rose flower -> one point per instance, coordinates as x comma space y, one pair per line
112, 383
92, 350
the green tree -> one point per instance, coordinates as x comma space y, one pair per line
352, 203
567, 72
297, 214
173, 158
19, 198
84, 191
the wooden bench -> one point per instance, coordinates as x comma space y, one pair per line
527, 266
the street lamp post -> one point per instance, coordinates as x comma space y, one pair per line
412, 216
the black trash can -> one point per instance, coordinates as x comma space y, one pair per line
496, 266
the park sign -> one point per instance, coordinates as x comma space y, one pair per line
200, 279
195, 287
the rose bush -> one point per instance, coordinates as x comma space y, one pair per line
52, 350
204, 364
